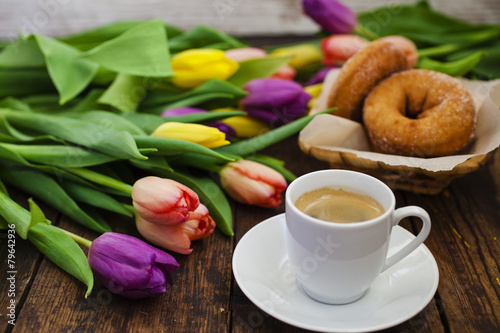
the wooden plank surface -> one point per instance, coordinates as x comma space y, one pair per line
205, 298
465, 238
240, 17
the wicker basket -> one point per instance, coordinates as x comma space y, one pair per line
400, 177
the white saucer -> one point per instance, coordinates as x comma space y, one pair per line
262, 271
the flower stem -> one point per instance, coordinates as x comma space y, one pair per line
368, 34
102, 179
440, 50
80, 240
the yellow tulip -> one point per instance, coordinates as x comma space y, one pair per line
313, 90
302, 55
246, 127
195, 66
207, 136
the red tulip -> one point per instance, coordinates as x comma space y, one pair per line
163, 201
408, 47
338, 48
253, 183
178, 237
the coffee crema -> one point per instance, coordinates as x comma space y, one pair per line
337, 205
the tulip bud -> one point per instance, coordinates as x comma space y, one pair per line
182, 111
285, 72
333, 16
313, 90
247, 127
206, 136
319, 77
163, 201
195, 66
129, 267
178, 238
408, 47
338, 48
246, 53
302, 55
253, 183
275, 101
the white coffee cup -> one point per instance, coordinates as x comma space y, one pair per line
336, 263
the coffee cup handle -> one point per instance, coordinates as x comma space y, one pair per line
397, 216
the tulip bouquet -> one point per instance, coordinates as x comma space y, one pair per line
144, 120
160, 125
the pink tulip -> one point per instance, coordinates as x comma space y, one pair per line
163, 201
178, 237
253, 183
338, 48
408, 47
285, 72
246, 53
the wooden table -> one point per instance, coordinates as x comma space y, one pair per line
465, 241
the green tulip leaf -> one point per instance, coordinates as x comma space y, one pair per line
13, 213
24, 82
50, 240
22, 53
203, 37
489, 67
59, 155
111, 120
119, 144
89, 39
257, 68
262, 141
171, 147
69, 72
63, 251
158, 100
94, 197
46, 189
417, 18
140, 51
125, 93
37, 215
457, 68
153, 163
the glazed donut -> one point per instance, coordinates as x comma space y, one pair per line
360, 74
419, 112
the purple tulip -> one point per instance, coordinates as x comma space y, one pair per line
129, 267
319, 77
185, 110
333, 16
275, 101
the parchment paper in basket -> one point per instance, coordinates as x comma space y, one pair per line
340, 134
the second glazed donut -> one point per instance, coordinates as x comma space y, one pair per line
419, 113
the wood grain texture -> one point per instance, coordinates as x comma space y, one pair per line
239, 17
465, 237
205, 298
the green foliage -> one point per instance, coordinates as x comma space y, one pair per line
440, 37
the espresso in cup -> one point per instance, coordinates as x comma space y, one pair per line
338, 205
336, 263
